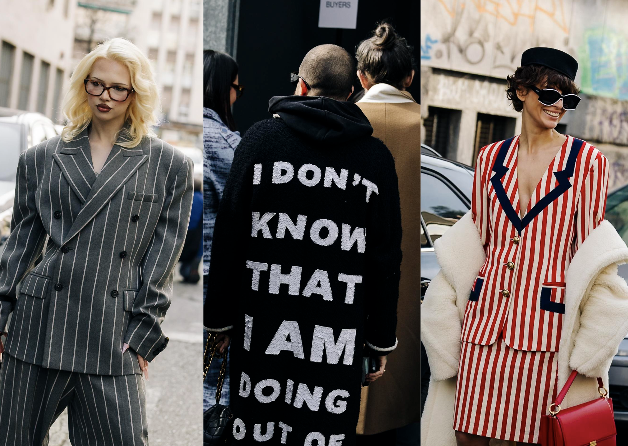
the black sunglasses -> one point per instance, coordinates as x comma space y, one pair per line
549, 96
294, 78
239, 90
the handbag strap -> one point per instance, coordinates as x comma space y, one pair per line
563, 392
208, 357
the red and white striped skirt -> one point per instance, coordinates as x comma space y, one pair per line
502, 392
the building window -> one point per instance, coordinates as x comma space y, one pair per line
42, 92
166, 100
7, 60
175, 21
26, 76
490, 129
153, 53
441, 130
57, 94
155, 23
184, 104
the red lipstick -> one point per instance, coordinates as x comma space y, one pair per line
103, 108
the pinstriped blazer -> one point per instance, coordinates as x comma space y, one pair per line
90, 260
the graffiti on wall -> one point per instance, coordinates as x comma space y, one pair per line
603, 58
606, 120
481, 95
488, 36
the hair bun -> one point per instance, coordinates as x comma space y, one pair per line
385, 35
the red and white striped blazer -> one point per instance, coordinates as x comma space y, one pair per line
519, 292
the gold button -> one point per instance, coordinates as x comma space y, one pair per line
510, 266
515, 240
505, 293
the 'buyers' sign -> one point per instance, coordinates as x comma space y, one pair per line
338, 14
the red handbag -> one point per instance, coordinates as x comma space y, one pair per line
587, 424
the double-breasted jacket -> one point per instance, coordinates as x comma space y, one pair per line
520, 290
93, 254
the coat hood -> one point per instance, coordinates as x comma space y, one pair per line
320, 118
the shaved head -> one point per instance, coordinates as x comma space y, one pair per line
329, 70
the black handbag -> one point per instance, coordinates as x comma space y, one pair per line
218, 419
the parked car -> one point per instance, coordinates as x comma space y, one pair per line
17, 133
617, 214
446, 188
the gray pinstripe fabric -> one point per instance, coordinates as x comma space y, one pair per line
102, 410
113, 240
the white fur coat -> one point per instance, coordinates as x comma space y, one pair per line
595, 321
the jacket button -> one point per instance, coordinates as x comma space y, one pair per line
65, 249
135, 218
59, 286
515, 240
505, 293
114, 293
510, 266
57, 215
122, 254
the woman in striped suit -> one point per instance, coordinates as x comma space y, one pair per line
536, 198
99, 221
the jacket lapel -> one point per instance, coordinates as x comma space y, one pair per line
562, 177
74, 160
119, 168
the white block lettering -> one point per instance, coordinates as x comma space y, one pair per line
284, 432
312, 399
282, 172
334, 406
323, 341
257, 432
293, 280
280, 342
239, 429
248, 331
259, 390
314, 436
285, 222
350, 238
370, 187
350, 281
302, 175
339, 180
315, 232
258, 224
257, 174
318, 284
245, 385
256, 267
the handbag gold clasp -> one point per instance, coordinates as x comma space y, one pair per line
600, 391
554, 412
593, 443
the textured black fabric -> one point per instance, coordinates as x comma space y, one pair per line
552, 58
274, 408
322, 119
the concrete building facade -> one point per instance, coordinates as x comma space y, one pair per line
169, 33
36, 40
469, 47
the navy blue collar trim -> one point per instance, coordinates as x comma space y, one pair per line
563, 184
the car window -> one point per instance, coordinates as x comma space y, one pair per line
11, 142
441, 207
425, 242
617, 211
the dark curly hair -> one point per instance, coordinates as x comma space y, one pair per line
386, 57
537, 75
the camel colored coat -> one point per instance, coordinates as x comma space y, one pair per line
393, 400
595, 321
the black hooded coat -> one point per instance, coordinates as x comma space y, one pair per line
305, 270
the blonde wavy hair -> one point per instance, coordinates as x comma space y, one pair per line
141, 113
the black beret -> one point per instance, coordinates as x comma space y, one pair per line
551, 58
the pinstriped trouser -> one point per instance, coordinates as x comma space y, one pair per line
102, 410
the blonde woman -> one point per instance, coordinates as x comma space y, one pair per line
110, 203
